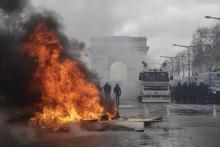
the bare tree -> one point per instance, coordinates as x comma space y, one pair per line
182, 63
206, 48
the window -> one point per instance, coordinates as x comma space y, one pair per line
155, 76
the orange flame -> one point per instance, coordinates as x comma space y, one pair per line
66, 95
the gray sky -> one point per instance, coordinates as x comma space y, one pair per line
163, 22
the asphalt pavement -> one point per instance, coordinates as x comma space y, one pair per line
183, 125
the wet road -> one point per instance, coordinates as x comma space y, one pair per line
182, 126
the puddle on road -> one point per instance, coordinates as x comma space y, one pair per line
146, 139
192, 112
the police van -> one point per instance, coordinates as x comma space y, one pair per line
212, 79
154, 86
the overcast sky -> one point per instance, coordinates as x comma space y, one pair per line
163, 22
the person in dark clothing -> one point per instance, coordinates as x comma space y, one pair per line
201, 96
107, 91
205, 91
184, 93
172, 93
117, 91
178, 93
198, 93
193, 93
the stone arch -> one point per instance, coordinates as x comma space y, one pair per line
118, 75
127, 52
118, 71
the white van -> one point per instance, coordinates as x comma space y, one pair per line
212, 79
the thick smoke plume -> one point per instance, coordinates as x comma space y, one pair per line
16, 68
10, 6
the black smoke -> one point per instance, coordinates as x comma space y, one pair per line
16, 67
13, 65
11, 6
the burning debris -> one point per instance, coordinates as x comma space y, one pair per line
66, 94
43, 75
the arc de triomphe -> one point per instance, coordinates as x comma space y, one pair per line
110, 55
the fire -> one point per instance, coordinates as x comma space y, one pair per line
66, 94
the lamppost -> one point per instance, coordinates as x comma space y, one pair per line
182, 60
210, 17
188, 49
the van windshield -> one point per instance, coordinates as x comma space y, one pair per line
155, 76
215, 76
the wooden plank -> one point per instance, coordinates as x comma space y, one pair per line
142, 119
123, 124
126, 106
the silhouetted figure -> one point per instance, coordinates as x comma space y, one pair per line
172, 93
193, 93
184, 93
178, 93
117, 91
205, 91
198, 94
107, 91
201, 93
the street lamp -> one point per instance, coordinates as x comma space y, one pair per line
186, 46
210, 17
188, 49
182, 58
